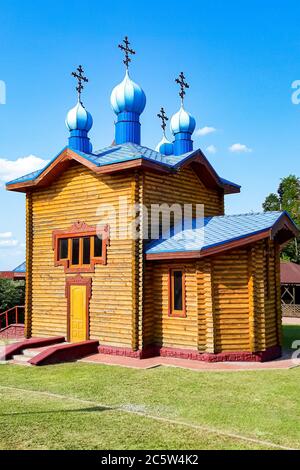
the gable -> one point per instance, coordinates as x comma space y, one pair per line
78, 186
183, 187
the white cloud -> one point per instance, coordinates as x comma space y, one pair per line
240, 148
12, 169
211, 149
5, 234
8, 243
205, 131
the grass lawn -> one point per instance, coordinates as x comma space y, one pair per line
84, 406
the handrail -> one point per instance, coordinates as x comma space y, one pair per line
6, 315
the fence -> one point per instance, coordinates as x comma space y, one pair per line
12, 316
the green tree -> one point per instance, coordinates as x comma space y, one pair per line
272, 203
12, 293
287, 199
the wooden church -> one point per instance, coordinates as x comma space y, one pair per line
209, 290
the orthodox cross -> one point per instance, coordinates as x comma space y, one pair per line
162, 115
126, 49
183, 85
79, 75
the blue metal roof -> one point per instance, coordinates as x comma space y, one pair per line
126, 152
29, 177
120, 154
224, 181
210, 232
21, 268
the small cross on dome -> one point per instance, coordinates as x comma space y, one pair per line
183, 85
79, 75
164, 118
127, 50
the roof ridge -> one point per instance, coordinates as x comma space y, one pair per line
246, 214
118, 154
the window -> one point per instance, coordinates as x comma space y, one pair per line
97, 246
75, 251
80, 248
86, 255
177, 285
63, 248
177, 293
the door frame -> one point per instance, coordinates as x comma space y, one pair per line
78, 281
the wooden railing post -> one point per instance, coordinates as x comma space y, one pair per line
9, 315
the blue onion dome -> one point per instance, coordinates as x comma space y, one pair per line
165, 147
182, 122
128, 97
79, 119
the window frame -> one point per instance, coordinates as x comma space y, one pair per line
172, 312
80, 230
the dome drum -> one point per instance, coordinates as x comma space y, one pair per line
182, 144
79, 140
127, 131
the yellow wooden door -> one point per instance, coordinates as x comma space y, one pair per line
78, 313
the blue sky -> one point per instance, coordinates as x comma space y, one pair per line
240, 58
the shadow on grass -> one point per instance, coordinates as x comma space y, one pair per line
94, 409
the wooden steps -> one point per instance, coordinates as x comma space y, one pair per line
65, 352
54, 354
28, 354
17, 348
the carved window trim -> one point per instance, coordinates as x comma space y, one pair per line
80, 230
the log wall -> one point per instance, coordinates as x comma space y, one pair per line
183, 187
232, 302
76, 195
